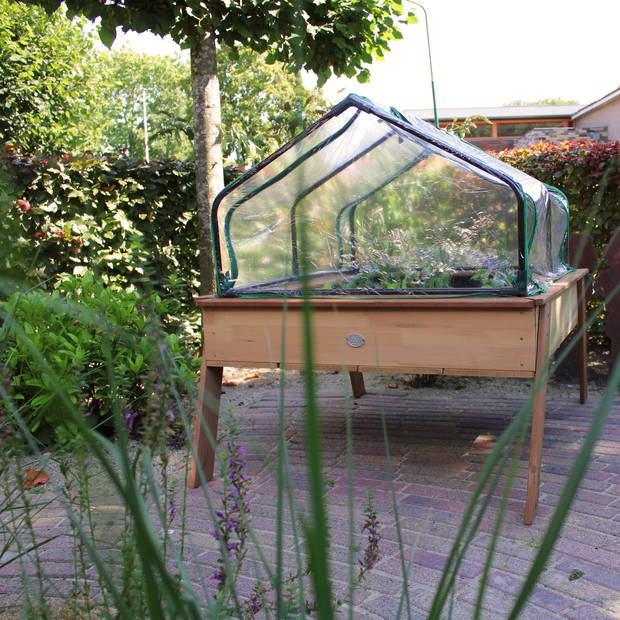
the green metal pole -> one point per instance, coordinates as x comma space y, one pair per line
430, 61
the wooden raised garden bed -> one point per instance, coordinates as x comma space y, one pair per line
468, 336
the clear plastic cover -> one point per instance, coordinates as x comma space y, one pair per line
378, 204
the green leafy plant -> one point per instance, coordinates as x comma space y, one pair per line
465, 127
70, 327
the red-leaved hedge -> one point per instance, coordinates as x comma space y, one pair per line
587, 172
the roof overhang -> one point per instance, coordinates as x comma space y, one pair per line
597, 104
500, 113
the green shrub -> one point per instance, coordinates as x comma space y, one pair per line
104, 347
587, 172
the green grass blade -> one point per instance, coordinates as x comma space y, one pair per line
349, 464
568, 494
446, 579
403, 592
317, 535
399, 534
279, 577
317, 532
301, 597
500, 514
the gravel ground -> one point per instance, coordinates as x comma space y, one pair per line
245, 386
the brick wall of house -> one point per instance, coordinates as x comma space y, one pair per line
556, 135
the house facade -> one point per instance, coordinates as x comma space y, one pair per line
515, 126
507, 124
602, 113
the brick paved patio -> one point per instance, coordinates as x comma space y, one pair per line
437, 451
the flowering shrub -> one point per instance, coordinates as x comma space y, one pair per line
587, 172
231, 525
371, 528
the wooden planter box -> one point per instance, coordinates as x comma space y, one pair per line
469, 336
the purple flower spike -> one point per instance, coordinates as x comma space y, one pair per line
231, 525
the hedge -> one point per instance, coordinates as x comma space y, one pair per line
125, 221
135, 222
587, 172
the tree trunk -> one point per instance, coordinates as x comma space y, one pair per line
207, 150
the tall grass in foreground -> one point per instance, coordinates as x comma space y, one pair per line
143, 560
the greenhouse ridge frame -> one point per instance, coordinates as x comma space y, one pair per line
391, 206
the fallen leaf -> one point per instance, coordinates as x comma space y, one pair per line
393, 385
34, 478
253, 375
231, 382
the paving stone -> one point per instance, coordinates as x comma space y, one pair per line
438, 449
588, 612
550, 600
602, 576
590, 553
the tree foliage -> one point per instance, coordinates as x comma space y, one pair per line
543, 101
325, 37
163, 83
79, 98
263, 105
46, 82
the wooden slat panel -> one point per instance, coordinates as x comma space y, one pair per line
385, 369
474, 372
476, 339
432, 301
563, 317
558, 287
374, 301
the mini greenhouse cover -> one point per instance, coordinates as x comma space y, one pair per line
381, 204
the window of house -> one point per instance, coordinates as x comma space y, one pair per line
482, 130
519, 129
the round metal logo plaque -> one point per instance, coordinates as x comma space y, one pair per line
355, 340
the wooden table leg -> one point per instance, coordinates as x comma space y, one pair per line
583, 341
205, 426
538, 417
357, 383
